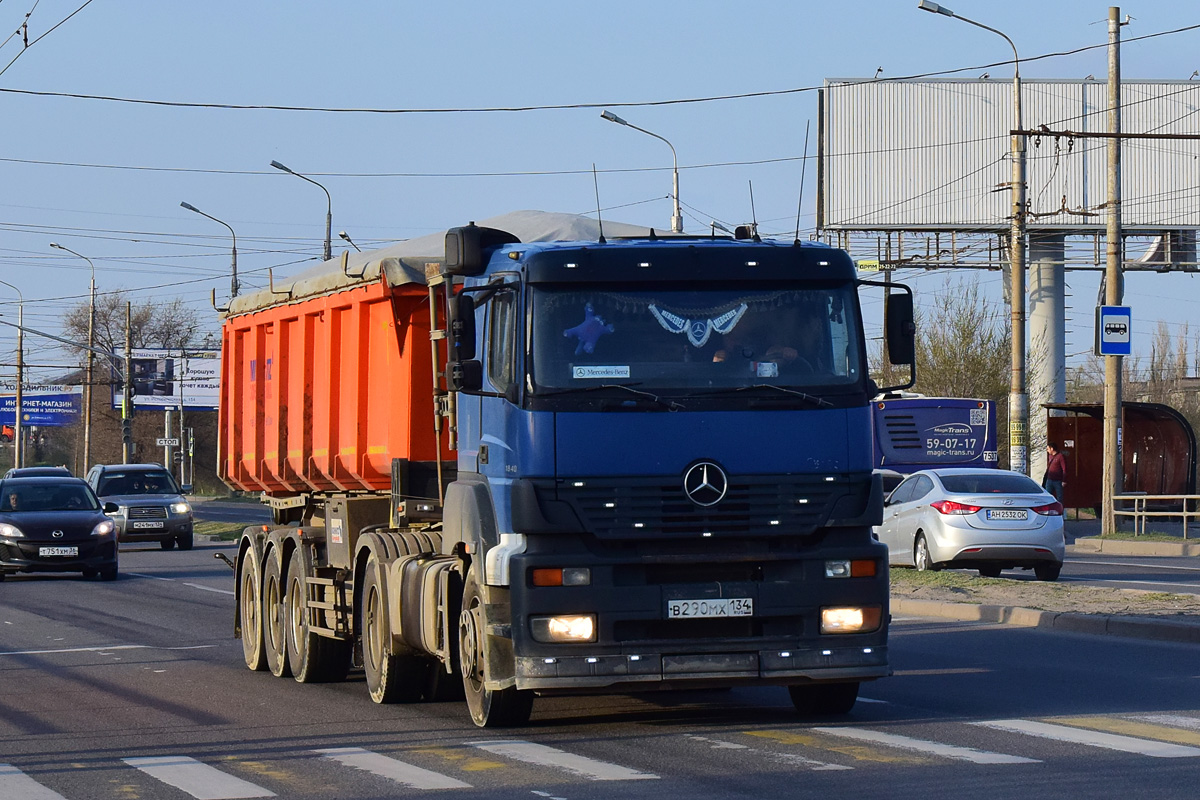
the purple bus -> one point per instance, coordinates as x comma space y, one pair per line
914, 432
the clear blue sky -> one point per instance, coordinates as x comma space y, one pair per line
394, 176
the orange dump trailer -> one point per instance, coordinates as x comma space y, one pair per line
323, 394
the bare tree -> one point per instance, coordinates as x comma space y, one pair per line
169, 324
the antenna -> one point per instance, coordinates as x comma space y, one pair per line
753, 215
803, 169
596, 184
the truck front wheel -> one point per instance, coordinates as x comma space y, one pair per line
391, 677
490, 708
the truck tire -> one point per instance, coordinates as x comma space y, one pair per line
490, 708
824, 699
391, 677
312, 658
272, 615
250, 612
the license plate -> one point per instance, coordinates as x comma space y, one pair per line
1007, 513
58, 551
720, 607
150, 525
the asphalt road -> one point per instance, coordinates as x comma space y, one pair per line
1180, 575
136, 689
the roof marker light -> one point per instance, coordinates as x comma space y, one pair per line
643, 264
635, 658
610, 505
570, 265
591, 659
801, 501
549, 660
707, 534
826, 652
785, 654
639, 524
577, 484
751, 263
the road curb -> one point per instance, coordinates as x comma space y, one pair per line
1119, 547
1097, 624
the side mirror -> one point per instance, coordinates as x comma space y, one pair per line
111, 508
186, 488
901, 329
462, 327
466, 376
465, 248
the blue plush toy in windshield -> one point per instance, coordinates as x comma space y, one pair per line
589, 331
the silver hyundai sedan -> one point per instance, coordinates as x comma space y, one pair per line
984, 519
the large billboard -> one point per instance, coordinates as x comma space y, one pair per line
162, 378
42, 405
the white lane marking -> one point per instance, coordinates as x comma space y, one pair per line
16, 785
544, 756
197, 779
1109, 741
1130, 564
392, 769
104, 648
717, 744
923, 746
209, 588
862, 699
151, 577
548, 796
1174, 720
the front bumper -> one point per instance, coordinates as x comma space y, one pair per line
639, 647
21, 555
170, 528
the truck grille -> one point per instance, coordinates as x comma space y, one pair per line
654, 507
147, 512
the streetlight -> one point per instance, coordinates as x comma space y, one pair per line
233, 285
1018, 400
346, 236
18, 454
328, 208
87, 386
677, 220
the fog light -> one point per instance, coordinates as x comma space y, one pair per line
577, 628
851, 619
569, 576
837, 569
845, 568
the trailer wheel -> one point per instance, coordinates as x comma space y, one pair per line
272, 616
490, 708
311, 657
391, 677
250, 612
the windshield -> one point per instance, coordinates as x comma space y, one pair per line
115, 483
688, 338
48, 497
992, 483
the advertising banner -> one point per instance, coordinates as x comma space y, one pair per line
44, 406
172, 379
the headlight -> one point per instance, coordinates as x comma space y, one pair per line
851, 619
575, 628
103, 529
11, 531
180, 508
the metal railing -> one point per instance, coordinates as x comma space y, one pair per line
1188, 507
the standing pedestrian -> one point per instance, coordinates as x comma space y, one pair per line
1056, 471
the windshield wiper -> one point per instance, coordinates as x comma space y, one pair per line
817, 401
668, 404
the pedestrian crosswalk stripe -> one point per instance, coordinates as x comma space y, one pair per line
197, 779
544, 756
857, 752
1132, 727
1174, 720
16, 785
955, 752
786, 758
392, 769
1110, 741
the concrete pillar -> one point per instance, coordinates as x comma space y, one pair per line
1047, 340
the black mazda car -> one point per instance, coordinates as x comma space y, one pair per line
55, 525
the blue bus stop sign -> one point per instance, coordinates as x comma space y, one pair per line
1114, 331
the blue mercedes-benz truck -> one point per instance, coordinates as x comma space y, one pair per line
663, 480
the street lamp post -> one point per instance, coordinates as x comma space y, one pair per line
328, 207
91, 357
1018, 399
18, 451
677, 219
233, 285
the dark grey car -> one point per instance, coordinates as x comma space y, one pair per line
149, 504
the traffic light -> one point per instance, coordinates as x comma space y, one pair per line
127, 430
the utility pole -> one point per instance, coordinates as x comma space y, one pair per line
18, 428
127, 392
1112, 482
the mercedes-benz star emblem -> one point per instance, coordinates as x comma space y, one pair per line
705, 483
56, 534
